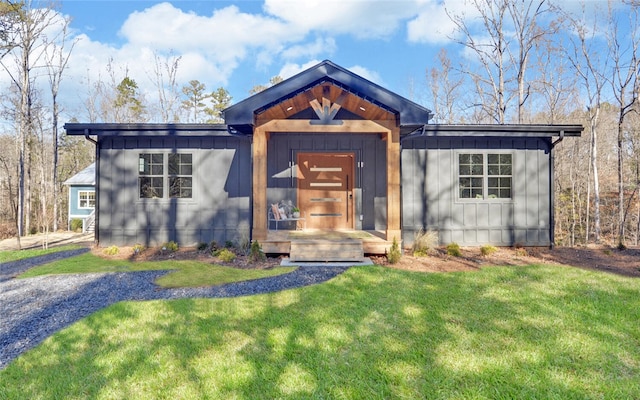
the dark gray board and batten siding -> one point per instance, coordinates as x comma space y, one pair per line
220, 208
430, 192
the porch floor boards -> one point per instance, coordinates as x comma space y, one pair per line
280, 241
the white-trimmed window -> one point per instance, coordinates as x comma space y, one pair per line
165, 177
483, 176
86, 199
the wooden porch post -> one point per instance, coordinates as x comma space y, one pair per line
393, 185
259, 184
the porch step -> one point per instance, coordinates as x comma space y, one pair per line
326, 250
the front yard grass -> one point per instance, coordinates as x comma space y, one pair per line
371, 333
15, 255
184, 273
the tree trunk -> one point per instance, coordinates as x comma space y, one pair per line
596, 182
621, 216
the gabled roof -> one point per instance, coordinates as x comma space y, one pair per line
85, 177
240, 116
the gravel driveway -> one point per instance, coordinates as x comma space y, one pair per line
33, 309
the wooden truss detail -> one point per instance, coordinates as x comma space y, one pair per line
327, 111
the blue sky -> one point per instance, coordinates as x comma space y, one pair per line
370, 38
237, 45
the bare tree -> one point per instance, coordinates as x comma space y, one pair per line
528, 32
164, 78
57, 59
509, 31
31, 25
445, 89
590, 65
625, 84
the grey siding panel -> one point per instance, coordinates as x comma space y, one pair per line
219, 210
429, 190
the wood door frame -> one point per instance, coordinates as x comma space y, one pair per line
390, 132
350, 207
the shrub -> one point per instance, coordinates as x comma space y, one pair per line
453, 249
138, 248
487, 250
76, 225
229, 244
394, 254
111, 250
521, 252
255, 253
202, 246
170, 246
226, 255
213, 245
424, 243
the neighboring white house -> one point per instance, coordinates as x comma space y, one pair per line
82, 197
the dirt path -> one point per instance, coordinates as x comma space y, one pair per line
54, 239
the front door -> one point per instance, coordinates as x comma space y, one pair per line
325, 189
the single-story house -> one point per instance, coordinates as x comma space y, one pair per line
350, 154
82, 197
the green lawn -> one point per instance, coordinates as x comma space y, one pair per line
186, 273
14, 255
539, 332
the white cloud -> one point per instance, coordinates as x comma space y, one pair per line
291, 69
367, 74
321, 45
434, 25
363, 19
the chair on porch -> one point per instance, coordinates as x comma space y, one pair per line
282, 212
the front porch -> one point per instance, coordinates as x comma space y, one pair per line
329, 244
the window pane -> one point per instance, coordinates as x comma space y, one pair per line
493, 169
499, 188
174, 164
470, 164
150, 187
465, 188
180, 164
150, 164
493, 158
180, 187
505, 159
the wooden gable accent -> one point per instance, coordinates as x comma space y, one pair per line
325, 95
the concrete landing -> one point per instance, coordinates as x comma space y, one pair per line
286, 262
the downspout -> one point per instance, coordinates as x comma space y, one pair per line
552, 190
96, 231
